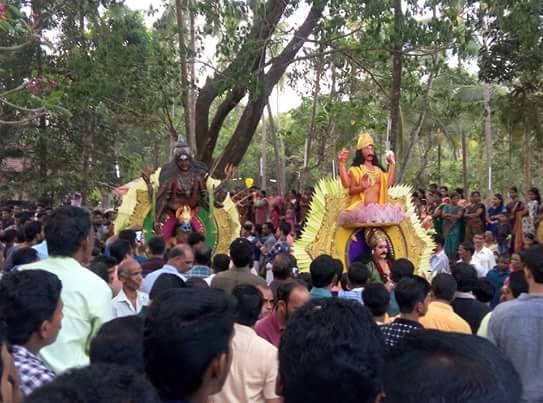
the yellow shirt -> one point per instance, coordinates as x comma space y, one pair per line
87, 305
440, 316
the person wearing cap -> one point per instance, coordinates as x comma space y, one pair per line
366, 180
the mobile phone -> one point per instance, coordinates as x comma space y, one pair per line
139, 236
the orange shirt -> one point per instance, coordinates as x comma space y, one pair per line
440, 316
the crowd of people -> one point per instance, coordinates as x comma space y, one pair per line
87, 315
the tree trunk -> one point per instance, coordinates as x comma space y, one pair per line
464, 160
395, 93
526, 161
240, 140
180, 7
263, 156
248, 63
488, 135
439, 163
415, 133
311, 128
278, 153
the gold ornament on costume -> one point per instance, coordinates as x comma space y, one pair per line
372, 174
183, 214
364, 140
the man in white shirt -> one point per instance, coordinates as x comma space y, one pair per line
482, 255
180, 261
439, 260
466, 251
253, 372
130, 299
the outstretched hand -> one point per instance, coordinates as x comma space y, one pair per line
390, 158
229, 171
343, 156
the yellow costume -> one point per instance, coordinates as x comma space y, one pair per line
357, 173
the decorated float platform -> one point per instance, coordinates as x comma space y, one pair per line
220, 226
322, 234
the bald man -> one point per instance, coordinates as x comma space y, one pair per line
130, 299
179, 262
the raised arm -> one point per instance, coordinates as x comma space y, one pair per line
391, 167
343, 171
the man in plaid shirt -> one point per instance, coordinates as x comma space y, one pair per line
413, 296
202, 261
31, 306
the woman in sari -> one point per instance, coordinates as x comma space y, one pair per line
516, 213
452, 225
494, 211
531, 212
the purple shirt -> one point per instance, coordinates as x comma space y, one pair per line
268, 328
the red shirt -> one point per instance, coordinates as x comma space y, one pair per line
268, 328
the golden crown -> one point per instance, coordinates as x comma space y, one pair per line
364, 140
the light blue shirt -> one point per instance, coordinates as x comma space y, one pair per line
355, 294
150, 279
317, 293
41, 248
440, 263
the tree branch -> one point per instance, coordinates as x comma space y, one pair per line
240, 140
247, 61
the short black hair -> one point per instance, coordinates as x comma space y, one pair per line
468, 246
248, 301
100, 383
322, 360
401, 268
178, 251
27, 299
358, 274
196, 282
444, 287
463, 368
465, 276
285, 289
185, 329
22, 256
102, 266
119, 342
533, 261
221, 262
31, 230
409, 291
195, 238
438, 239
241, 252
9, 236
484, 290
202, 254
165, 282
518, 283
130, 236
66, 230
323, 270
376, 298
285, 228
157, 245
281, 266
119, 249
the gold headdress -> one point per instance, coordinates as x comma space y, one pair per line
373, 236
364, 140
